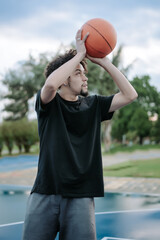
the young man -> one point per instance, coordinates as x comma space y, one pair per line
70, 165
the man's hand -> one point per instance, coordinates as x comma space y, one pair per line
80, 44
99, 61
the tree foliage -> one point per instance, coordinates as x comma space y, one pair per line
134, 118
28, 134
155, 131
7, 135
100, 82
148, 95
140, 124
22, 84
1, 141
23, 133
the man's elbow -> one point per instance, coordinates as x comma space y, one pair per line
49, 86
133, 97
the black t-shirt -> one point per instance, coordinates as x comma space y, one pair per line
70, 162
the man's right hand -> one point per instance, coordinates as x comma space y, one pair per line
80, 43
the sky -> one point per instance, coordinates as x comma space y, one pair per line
38, 26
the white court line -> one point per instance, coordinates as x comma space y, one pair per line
11, 224
128, 211
98, 213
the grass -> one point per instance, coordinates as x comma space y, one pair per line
122, 148
138, 168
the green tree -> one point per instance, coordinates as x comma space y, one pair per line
100, 82
22, 84
140, 124
135, 117
148, 95
7, 135
121, 121
1, 141
18, 133
155, 131
29, 135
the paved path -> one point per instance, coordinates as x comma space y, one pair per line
137, 185
111, 159
112, 184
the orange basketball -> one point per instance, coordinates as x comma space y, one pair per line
102, 37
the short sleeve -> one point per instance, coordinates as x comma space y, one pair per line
104, 104
39, 107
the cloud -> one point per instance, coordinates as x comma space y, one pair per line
146, 56
46, 28
138, 26
37, 24
44, 31
16, 48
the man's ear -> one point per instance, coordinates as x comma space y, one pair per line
66, 82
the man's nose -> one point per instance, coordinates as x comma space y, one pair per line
85, 78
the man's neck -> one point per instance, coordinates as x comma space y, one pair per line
68, 96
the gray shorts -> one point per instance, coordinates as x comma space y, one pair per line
46, 215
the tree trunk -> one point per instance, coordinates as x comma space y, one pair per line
26, 148
140, 140
107, 135
19, 148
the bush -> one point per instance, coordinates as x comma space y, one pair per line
17, 134
7, 135
22, 132
1, 141
25, 134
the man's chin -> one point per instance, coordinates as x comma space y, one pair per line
84, 93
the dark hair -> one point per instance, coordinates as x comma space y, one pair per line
60, 60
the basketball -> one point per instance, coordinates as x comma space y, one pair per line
102, 37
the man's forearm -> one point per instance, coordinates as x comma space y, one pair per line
60, 75
120, 80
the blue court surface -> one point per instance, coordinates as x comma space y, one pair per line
118, 216
126, 225
8, 164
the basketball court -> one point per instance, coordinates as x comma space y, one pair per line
134, 217
120, 225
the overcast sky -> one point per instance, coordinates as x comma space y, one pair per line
36, 26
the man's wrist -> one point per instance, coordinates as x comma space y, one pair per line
103, 62
80, 55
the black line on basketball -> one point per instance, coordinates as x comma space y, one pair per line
101, 35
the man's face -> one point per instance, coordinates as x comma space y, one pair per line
78, 81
